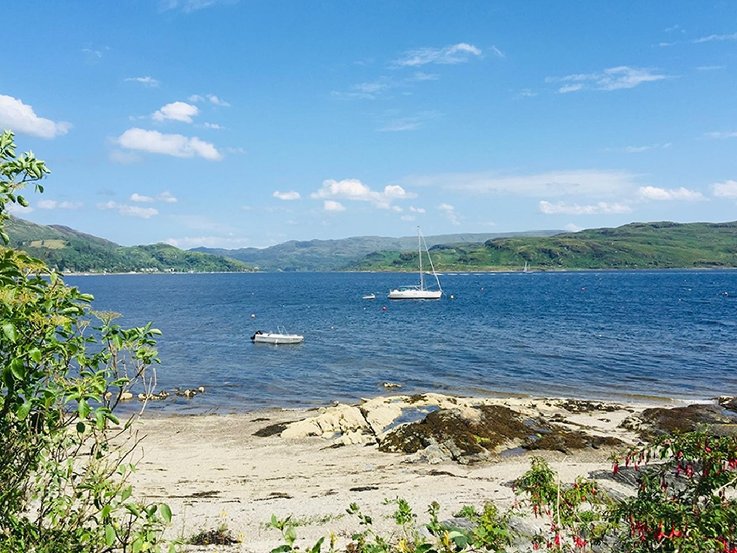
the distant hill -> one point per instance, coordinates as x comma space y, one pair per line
346, 253
69, 250
661, 245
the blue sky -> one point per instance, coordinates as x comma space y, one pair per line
248, 123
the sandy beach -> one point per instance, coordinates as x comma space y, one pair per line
236, 471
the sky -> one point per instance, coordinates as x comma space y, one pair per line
247, 123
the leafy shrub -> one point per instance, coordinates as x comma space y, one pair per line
63, 369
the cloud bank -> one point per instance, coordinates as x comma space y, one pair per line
167, 144
22, 119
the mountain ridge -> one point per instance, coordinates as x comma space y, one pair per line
654, 245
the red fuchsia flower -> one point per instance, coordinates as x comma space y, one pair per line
579, 542
615, 468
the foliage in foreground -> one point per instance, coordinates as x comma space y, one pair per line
685, 502
63, 467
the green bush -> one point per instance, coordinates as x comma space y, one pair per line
64, 368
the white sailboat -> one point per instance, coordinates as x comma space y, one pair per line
421, 291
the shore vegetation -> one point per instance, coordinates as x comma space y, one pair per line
64, 454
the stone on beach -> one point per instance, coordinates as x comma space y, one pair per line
331, 422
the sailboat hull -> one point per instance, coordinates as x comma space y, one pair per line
420, 292
415, 294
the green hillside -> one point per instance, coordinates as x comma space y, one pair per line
337, 255
662, 245
71, 251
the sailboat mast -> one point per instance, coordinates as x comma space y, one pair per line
419, 254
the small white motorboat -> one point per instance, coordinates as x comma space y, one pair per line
276, 338
369, 297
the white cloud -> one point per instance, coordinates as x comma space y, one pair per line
189, 6
456, 53
54, 204
422, 76
17, 209
167, 144
414, 209
211, 98
130, 210
450, 213
230, 242
333, 206
576, 209
721, 135
715, 38
640, 149
355, 190
726, 189
613, 78
570, 227
176, 111
136, 197
21, 118
286, 196
552, 183
366, 90
213, 126
665, 194
570, 88
401, 124
145, 81
167, 198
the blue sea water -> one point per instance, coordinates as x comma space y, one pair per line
606, 335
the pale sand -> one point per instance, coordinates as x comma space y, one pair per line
212, 470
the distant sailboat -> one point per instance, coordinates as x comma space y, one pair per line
421, 291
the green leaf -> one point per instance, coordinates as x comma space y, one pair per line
80, 427
282, 549
83, 408
18, 368
35, 355
318, 546
165, 512
109, 535
23, 410
9, 331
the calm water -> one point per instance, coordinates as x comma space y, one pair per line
592, 334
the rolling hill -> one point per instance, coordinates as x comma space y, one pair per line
660, 245
346, 253
68, 250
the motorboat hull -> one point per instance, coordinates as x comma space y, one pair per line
276, 338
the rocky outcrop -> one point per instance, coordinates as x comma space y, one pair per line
436, 428
717, 418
